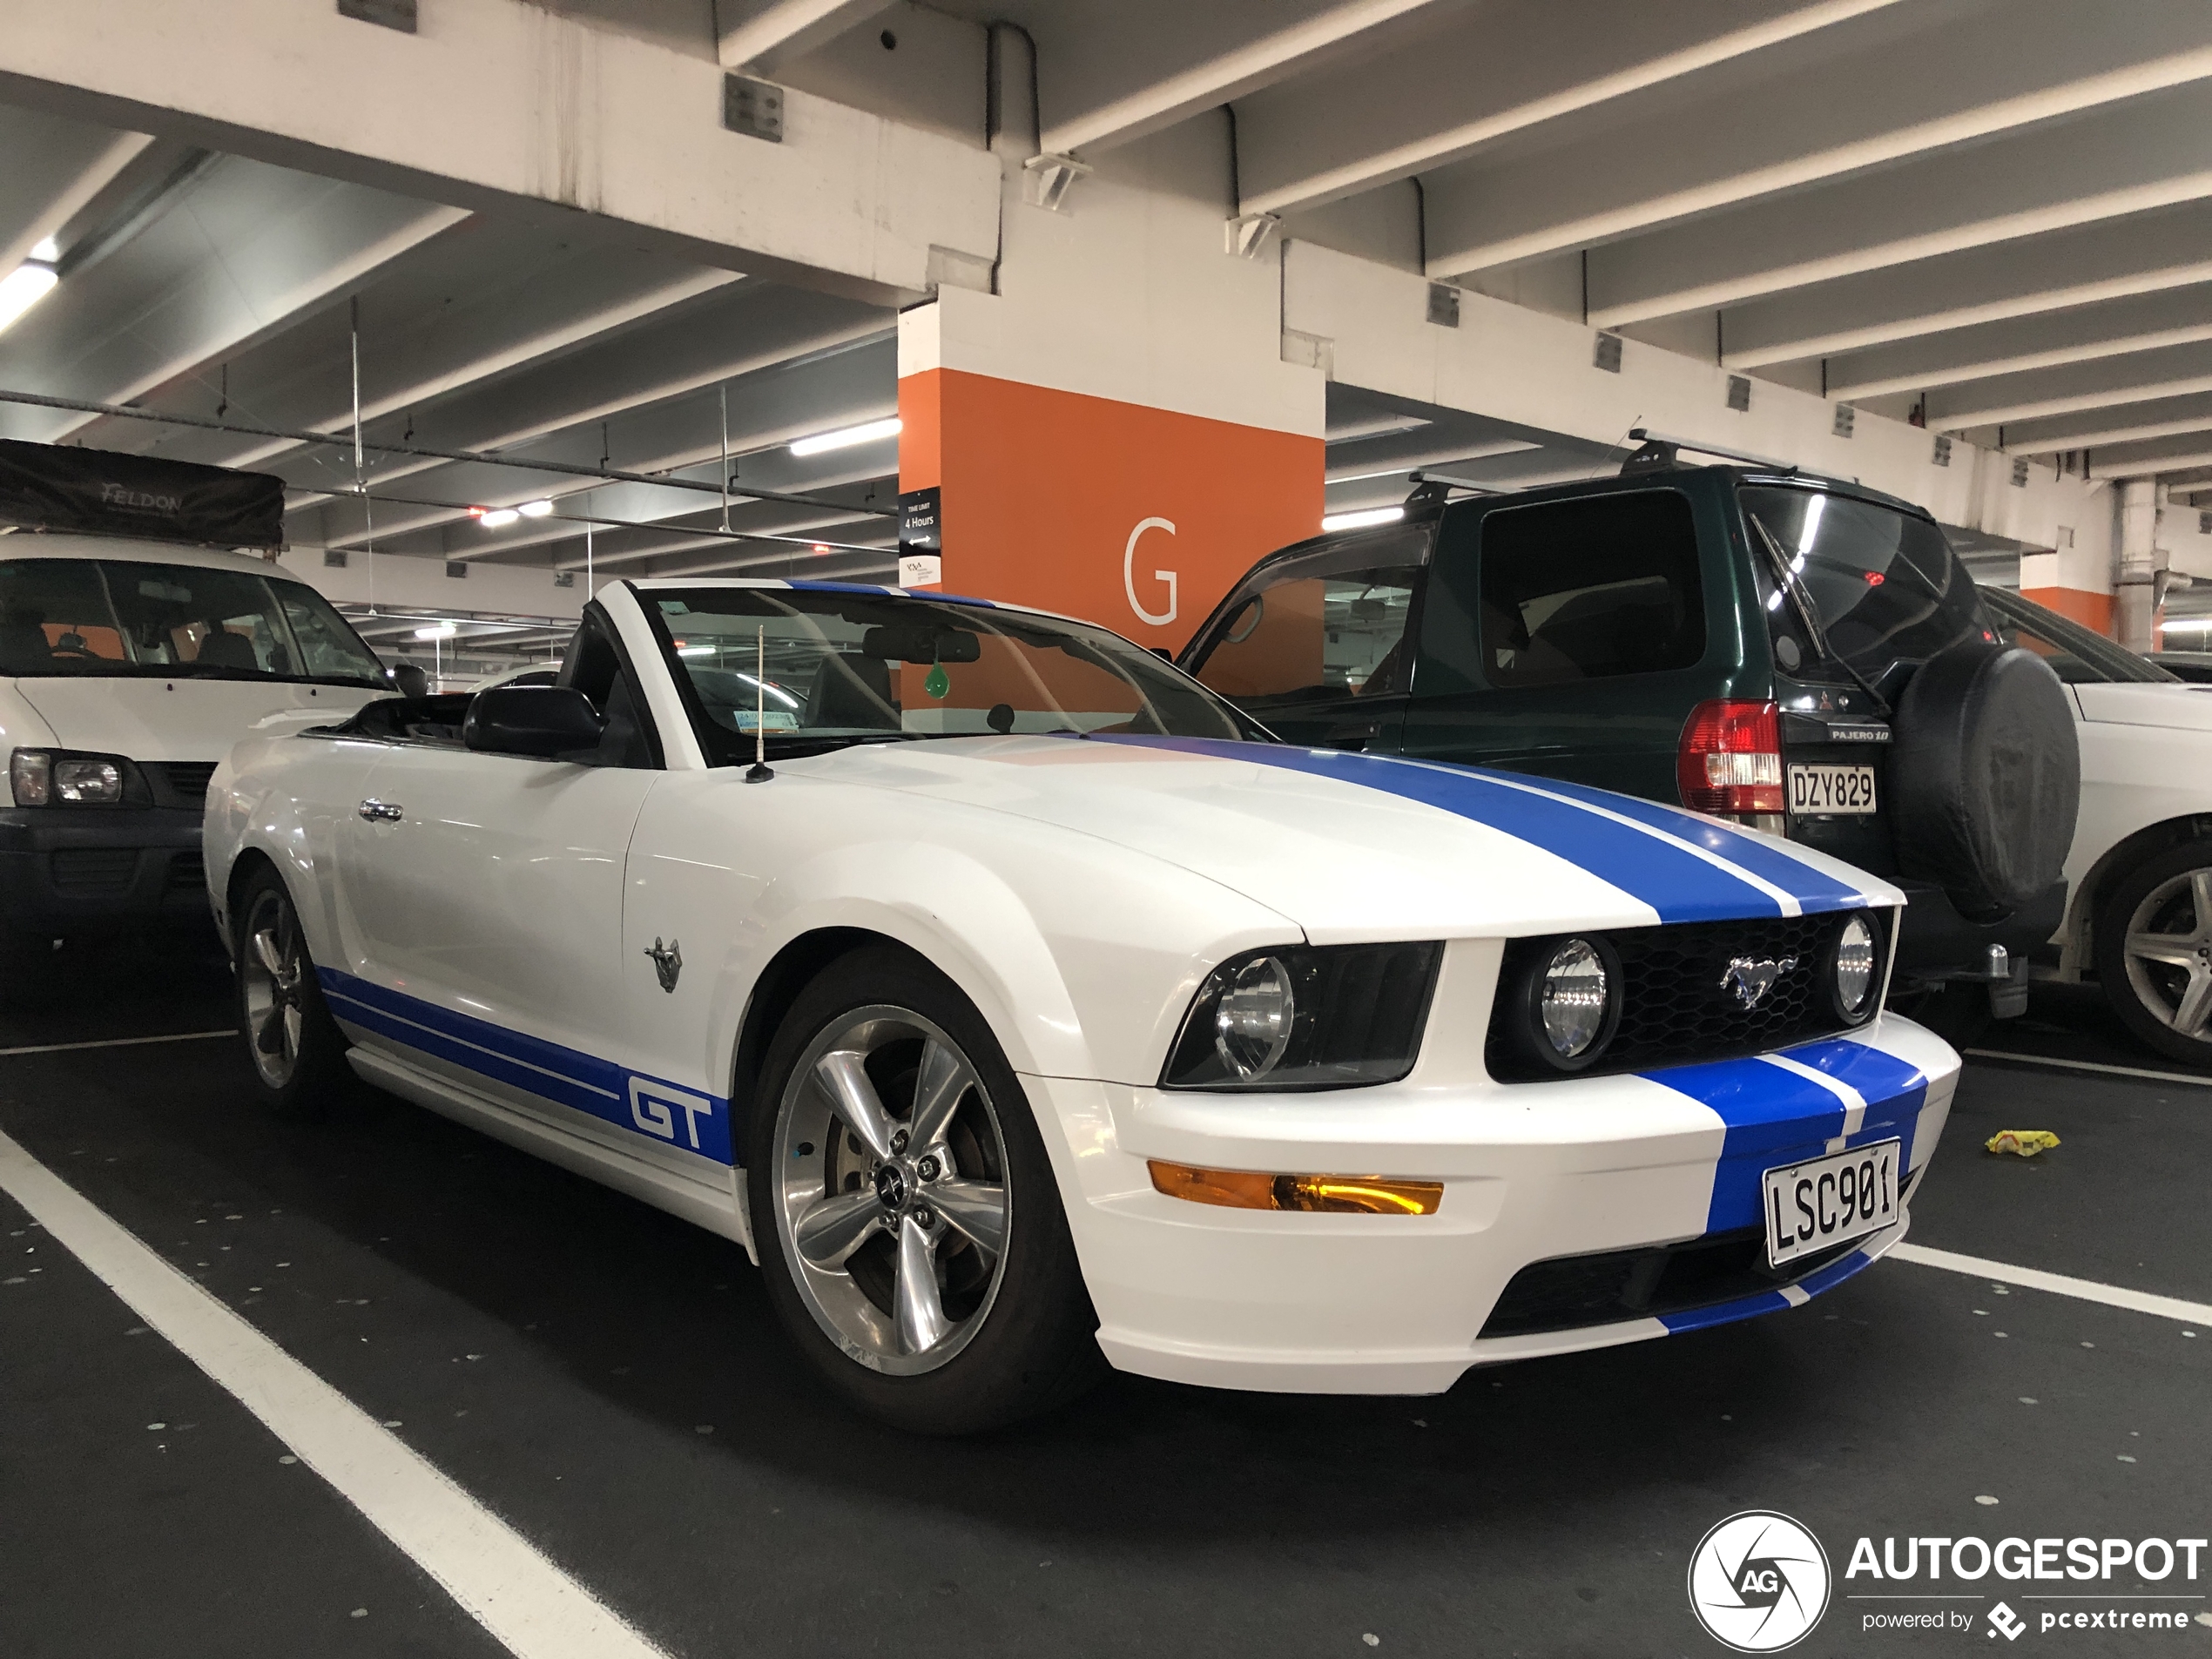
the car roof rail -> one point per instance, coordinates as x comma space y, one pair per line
1430, 489
1661, 450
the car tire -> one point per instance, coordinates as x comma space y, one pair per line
2154, 952
883, 1096
297, 1052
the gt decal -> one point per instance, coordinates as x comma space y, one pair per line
649, 1109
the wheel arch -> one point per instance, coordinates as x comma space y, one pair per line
789, 972
2113, 866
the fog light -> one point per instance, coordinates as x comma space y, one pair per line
1854, 975
1343, 1195
1573, 999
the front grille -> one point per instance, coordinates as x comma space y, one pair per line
1674, 1008
1570, 1292
187, 780
187, 873
91, 871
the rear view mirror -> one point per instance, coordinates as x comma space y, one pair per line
538, 721
914, 641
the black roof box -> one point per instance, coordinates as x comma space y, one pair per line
104, 492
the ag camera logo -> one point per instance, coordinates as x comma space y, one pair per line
1759, 1581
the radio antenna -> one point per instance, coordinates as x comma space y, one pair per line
761, 772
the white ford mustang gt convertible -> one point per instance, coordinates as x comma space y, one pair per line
1015, 1000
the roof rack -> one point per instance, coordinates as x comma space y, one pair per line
1431, 488
1663, 449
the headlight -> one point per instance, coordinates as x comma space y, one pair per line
58, 778
1565, 1005
1855, 968
1300, 1016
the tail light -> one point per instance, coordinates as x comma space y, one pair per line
1730, 760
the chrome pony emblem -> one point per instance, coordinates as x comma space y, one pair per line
668, 961
1751, 980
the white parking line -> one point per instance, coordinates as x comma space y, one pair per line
121, 1042
499, 1579
2090, 1065
2034, 1278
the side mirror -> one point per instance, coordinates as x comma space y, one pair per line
409, 680
539, 721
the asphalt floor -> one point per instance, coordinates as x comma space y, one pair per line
610, 1383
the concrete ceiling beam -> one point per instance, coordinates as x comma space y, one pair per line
1879, 93
762, 36
2090, 265
1510, 67
512, 106
2151, 153
55, 168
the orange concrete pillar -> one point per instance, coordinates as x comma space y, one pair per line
1113, 434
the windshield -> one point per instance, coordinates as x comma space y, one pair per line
1883, 586
120, 617
1322, 625
2076, 655
847, 666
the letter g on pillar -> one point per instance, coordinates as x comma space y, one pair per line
1129, 574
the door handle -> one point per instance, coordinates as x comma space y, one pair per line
379, 811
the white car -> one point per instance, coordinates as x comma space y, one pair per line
128, 668
2138, 910
1029, 1003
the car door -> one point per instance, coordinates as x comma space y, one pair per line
1568, 637
487, 894
1314, 646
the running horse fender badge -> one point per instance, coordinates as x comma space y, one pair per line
1751, 980
668, 961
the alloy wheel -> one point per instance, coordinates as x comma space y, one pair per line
272, 975
894, 1197
2169, 950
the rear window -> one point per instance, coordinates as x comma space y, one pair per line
1563, 592
1884, 585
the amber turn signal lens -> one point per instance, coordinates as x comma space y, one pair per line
1341, 1195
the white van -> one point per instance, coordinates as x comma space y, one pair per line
128, 668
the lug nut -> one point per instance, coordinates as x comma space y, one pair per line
898, 1142
922, 1217
927, 1170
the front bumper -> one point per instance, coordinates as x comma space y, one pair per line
95, 869
1353, 1303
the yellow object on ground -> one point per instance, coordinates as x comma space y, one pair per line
2026, 1142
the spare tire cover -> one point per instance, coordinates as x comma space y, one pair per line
1985, 777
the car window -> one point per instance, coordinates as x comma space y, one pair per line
1884, 585
2076, 654
846, 665
1563, 592
1332, 622
116, 618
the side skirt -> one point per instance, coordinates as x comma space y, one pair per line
710, 1206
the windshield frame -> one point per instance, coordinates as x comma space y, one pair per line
721, 746
273, 585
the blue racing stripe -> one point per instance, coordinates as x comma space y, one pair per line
1761, 854
1679, 885
687, 1119
1747, 1307
1773, 1117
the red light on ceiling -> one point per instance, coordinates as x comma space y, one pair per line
1875, 578
477, 512
821, 547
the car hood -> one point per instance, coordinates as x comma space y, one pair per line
1355, 846
179, 719
2184, 707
